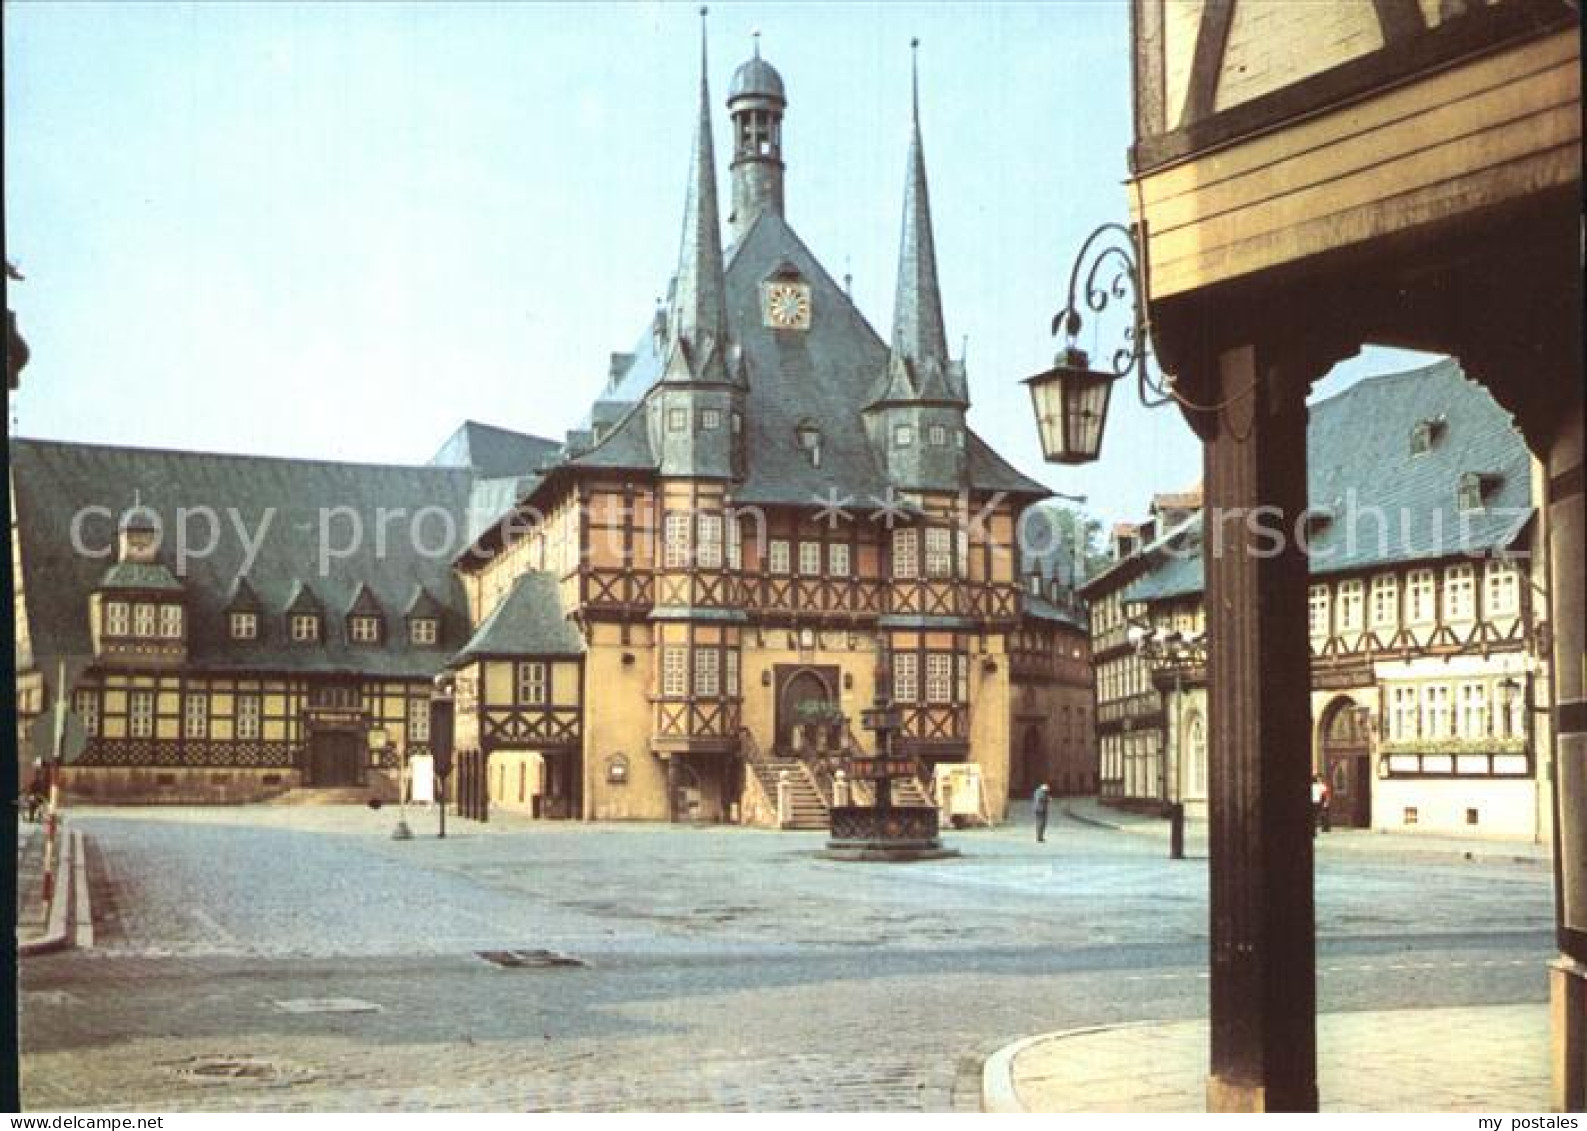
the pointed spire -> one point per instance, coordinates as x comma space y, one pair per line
698, 337
918, 335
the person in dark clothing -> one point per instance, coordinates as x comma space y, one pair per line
1038, 804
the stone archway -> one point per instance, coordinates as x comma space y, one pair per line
797, 685
1344, 758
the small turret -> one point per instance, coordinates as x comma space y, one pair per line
756, 101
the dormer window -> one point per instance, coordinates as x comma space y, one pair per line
903, 436
938, 436
1471, 492
677, 420
305, 627
424, 630
364, 629
710, 419
809, 435
244, 626
1425, 434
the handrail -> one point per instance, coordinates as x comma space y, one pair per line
750, 749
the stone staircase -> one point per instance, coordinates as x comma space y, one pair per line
807, 808
908, 793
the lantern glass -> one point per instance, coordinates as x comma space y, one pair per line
1071, 405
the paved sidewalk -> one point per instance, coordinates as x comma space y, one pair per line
1476, 1058
32, 912
1089, 810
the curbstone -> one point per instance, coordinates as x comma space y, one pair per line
59, 924
999, 1096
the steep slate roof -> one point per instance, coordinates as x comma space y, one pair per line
1360, 465
494, 453
527, 621
55, 481
826, 373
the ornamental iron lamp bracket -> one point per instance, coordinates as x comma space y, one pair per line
1071, 398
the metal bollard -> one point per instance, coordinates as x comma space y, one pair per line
1176, 830
783, 803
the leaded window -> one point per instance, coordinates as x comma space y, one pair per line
810, 559
532, 683
305, 627
1350, 605
675, 541
418, 720
247, 724
140, 709
365, 629
143, 619
675, 671
171, 622
1460, 592
838, 559
195, 715
1419, 596
906, 677
85, 704
906, 546
1503, 590
778, 556
244, 626
709, 551
117, 618
1385, 601
939, 552
707, 672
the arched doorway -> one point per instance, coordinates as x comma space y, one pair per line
798, 685
1347, 763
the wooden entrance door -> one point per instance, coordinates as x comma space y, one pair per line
333, 758
1347, 765
798, 684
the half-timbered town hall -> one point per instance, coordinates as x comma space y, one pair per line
771, 516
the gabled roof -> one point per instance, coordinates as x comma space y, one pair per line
493, 452
423, 604
1383, 502
528, 621
303, 599
280, 503
150, 576
365, 603
242, 598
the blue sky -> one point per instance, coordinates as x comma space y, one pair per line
335, 231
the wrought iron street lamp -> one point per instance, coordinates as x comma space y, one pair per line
1071, 398
1071, 405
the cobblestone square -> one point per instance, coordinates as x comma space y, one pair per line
724, 968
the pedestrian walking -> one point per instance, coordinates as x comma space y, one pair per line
1038, 804
1320, 796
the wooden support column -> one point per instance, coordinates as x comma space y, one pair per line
1259, 708
1567, 549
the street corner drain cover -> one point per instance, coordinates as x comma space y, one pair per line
327, 1005
226, 1069
525, 959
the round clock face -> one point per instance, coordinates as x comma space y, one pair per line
788, 306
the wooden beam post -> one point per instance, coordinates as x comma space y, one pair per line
1259, 707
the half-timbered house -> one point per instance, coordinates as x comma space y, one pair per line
1426, 672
